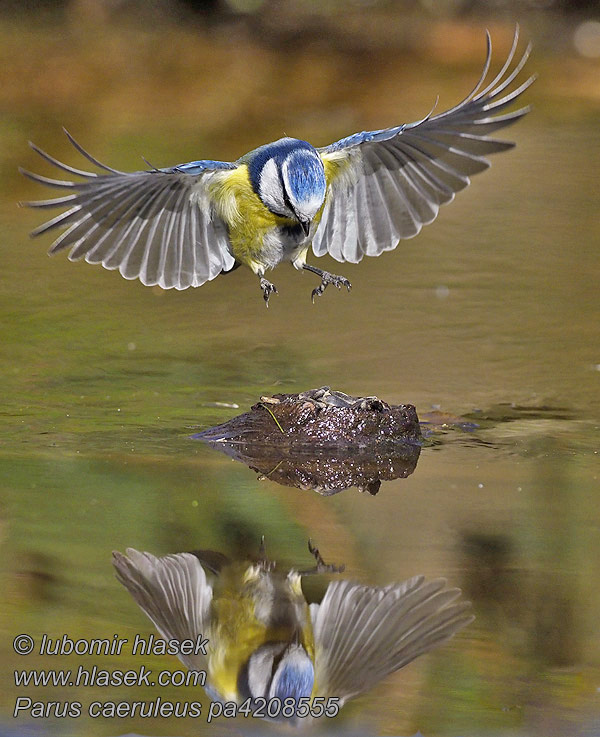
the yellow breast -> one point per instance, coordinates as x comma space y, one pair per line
247, 219
237, 632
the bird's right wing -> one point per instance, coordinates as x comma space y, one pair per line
158, 226
385, 185
363, 633
173, 592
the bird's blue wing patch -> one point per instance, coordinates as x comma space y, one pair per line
364, 137
199, 167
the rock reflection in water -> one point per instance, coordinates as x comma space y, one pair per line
323, 440
265, 647
326, 472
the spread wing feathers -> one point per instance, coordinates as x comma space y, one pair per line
363, 633
157, 226
385, 185
173, 592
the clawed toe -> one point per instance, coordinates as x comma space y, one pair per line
263, 560
268, 289
317, 292
321, 566
326, 280
341, 281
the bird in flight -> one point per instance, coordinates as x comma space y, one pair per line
181, 226
263, 641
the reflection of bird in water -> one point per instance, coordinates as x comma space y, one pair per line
265, 641
182, 226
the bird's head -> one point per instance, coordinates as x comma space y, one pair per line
289, 178
278, 670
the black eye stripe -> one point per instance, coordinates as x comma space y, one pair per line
276, 661
286, 199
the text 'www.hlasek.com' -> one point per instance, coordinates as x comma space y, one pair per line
28, 706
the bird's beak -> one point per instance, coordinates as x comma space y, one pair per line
305, 226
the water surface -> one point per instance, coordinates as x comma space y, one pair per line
491, 315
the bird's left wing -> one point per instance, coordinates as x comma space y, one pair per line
158, 226
384, 185
173, 592
363, 633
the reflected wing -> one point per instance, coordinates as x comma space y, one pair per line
157, 226
385, 185
363, 633
173, 592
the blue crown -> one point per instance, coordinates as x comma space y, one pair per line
295, 681
305, 176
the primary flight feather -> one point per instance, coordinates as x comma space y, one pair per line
182, 226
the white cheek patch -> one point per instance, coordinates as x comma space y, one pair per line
270, 190
259, 672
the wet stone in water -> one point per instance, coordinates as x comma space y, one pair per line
320, 417
323, 440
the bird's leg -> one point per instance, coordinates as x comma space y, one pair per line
321, 566
263, 561
326, 279
267, 288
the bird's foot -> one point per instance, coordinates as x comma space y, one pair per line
326, 280
321, 566
268, 289
263, 560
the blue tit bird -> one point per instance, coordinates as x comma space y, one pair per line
179, 227
265, 641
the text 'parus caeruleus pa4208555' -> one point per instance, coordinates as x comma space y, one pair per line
182, 226
265, 641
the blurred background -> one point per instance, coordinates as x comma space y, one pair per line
490, 318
